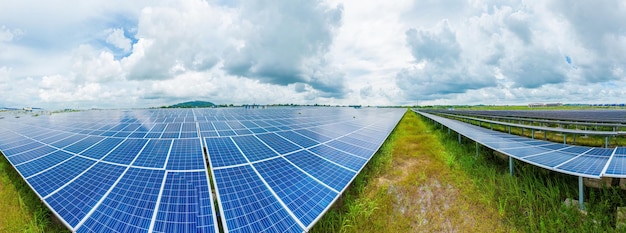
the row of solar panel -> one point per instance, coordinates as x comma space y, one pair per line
207, 129
281, 181
570, 159
94, 177
284, 182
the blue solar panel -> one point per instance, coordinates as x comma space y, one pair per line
329, 173
186, 154
83, 144
223, 152
586, 164
67, 141
19, 149
359, 142
298, 139
617, 166
44, 162
154, 154
254, 149
130, 205
185, 205
551, 159
126, 152
103, 148
144, 170
247, 204
304, 196
352, 149
30, 155
575, 160
313, 135
50, 180
525, 151
74, 201
350, 161
279, 144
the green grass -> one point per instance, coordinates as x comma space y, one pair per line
20, 208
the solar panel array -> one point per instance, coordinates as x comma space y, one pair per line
274, 170
570, 159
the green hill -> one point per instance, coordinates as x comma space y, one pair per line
193, 104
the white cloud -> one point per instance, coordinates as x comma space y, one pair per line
151, 53
117, 38
8, 35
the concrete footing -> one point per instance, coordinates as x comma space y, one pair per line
574, 203
598, 183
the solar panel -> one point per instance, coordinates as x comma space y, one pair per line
576, 160
275, 170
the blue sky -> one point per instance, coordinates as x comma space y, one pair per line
109, 54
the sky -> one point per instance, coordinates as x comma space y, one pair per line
122, 54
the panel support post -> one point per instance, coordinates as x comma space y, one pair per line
448, 130
509, 129
511, 166
606, 142
459, 137
533, 133
564, 138
545, 135
476, 149
581, 194
574, 140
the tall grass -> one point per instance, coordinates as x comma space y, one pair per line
20, 208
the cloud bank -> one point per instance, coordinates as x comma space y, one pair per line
152, 53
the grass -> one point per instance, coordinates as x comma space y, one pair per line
20, 208
413, 183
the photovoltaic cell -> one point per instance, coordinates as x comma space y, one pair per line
298, 139
126, 152
303, 195
83, 144
31, 154
248, 205
279, 144
186, 154
266, 182
154, 154
329, 173
350, 161
253, 149
185, 205
103, 148
44, 162
223, 152
74, 201
50, 180
132, 200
